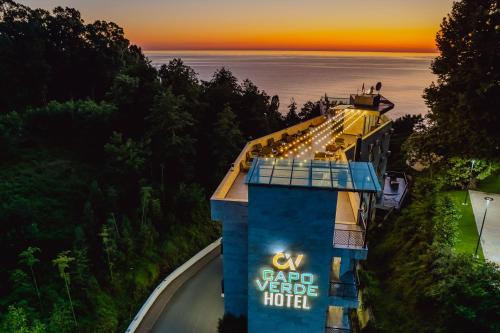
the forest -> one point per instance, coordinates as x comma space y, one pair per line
107, 164
419, 276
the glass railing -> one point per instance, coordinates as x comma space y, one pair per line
344, 289
337, 330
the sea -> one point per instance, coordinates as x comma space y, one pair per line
309, 75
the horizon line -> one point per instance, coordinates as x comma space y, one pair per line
287, 50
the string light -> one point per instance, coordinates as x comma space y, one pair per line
347, 127
335, 127
310, 134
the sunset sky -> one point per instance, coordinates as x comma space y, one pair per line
384, 25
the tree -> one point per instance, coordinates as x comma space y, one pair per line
309, 110
57, 56
227, 140
403, 128
252, 110
28, 257
464, 101
62, 262
466, 292
459, 171
171, 136
109, 244
16, 320
126, 157
420, 147
291, 117
182, 80
274, 117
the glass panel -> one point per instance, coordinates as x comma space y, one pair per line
341, 179
361, 177
321, 183
352, 176
265, 162
263, 172
282, 173
301, 163
321, 173
283, 164
298, 168
260, 180
317, 163
280, 181
300, 174
283, 167
300, 182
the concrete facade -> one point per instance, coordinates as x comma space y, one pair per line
295, 221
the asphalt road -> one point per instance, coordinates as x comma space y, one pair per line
197, 306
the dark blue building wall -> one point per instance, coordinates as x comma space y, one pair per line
234, 216
293, 220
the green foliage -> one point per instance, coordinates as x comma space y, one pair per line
82, 125
126, 157
464, 101
17, 321
403, 128
292, 117
60, 319
179, 78
232, 324
107, 164
46, 56
445, 222
467, 233
421, 146
170, 133
11, 127
309, 111
227, 140
416, 281
460, 171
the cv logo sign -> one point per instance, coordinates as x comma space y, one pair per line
286, 261
285, 285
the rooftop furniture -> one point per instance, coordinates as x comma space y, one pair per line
266, 150
331, 147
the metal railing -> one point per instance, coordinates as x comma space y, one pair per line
344, 289
351, 236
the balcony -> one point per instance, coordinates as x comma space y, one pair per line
337, 330
344, 289
351, 236
345, 292
340, 320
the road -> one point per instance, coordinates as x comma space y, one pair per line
197, 306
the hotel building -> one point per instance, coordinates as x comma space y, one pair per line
294, 209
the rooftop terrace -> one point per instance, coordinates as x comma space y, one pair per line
324, 138
335, 175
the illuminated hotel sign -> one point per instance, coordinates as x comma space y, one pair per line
286, 286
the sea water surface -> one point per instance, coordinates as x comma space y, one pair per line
308, 75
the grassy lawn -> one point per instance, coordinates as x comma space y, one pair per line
467, 231
491, 184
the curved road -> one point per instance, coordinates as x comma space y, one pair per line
197, 306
